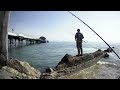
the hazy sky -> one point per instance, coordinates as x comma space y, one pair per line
62, 26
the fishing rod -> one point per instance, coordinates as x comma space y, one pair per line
95, 33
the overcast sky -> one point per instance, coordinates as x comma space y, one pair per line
62, 26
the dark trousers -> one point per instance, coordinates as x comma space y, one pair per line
79, 48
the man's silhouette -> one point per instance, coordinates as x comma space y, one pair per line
78, 38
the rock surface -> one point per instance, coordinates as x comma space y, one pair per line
4, 74
68, 60
72, 64
16, 69
101, 70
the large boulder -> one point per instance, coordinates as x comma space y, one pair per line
21, 70
69, 61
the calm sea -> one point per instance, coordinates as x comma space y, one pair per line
49, 54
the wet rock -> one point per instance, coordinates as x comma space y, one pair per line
46, 76
109, 49
106, 55
49, 70
52, 75
99, 50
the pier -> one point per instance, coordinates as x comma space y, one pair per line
15, 39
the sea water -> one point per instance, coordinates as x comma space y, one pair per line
44, 55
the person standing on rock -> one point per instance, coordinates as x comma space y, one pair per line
78, 38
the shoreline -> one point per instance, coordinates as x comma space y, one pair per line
96, 68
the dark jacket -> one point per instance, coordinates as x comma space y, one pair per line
78, 37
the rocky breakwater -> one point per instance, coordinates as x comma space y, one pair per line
71, 64
16, 69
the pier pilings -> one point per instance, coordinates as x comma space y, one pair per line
21, 40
